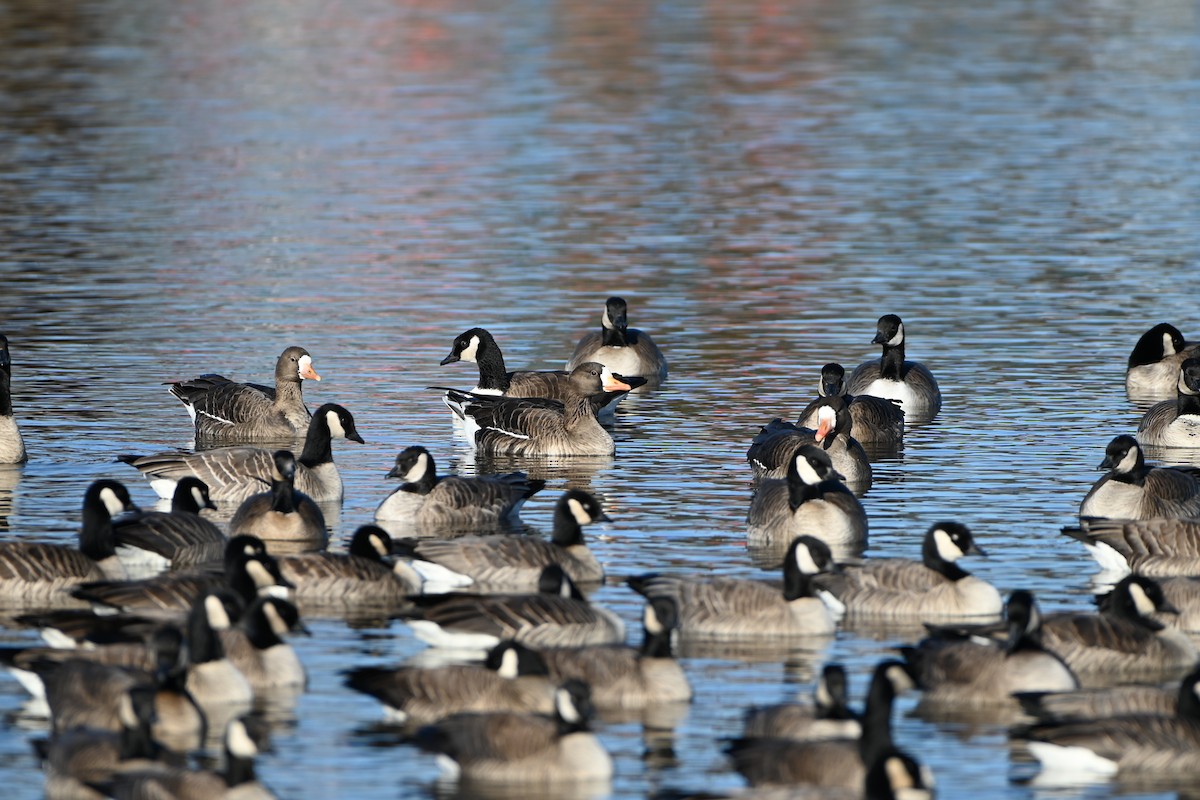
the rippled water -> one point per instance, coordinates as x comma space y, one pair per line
191, 187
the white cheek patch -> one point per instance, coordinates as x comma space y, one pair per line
566, 706
580, 513
605, 321
278, 626
1196, 689
806, 471
259, 574
805, 560
898, 339
651, 621
897, 774
901, 681
947, 550
239, 742
125, 712
111, 501
335, 425
469, 352
1129, 462
1168, 345
214, 609
508, 664
418, 470
377, 545
198, 497
1144, 605
822, 696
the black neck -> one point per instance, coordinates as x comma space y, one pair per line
933, 559
238, 770
614, 337
877, 717
318, 444
567, 531
96, 538
800, 492
258, 629
891, 366
656, 645
283, 496
492, 373
426, 482
204, 644
5, 394
1188, 404
796, 584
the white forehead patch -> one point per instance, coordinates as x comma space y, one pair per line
805, 560
278, 626
650, 620
214, 609
335, 425
566, 706
239, 742
469, 352
304, 365
580, 513
947, 550
509, 664
806, 471
259, 574
111, 501
418, 469
1143, 604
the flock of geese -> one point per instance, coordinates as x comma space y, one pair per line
162, 628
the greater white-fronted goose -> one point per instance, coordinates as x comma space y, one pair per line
514, 562
282, 514
223, 410
12, 446
150, 542
1175, 423
1160, 547
362, 580
430, 503
624, 350
1132, 489
892, 377
774, 447
235, 473
1152, 372
828, 716
877, 420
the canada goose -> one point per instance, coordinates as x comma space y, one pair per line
431, 503
625, 677
256, 644
150, 542
811, 500
557, 616
1098, 703
513, 678
1159, 747
892, 377
283, 513
235, 473
1175, 423
1134, 490
12, 446
37, 574
361, 579
876, 420
515, 748
624, 350
479, 346
826, 717
934, 588
835, 762
538, 427
1153, 368
957, 671
731, 608
513, 562
223, 410
772, 449
212, 679
1155, 547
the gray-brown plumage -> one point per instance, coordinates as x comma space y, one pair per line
514, 562
893, 377
1134, 490
149, 542
34, 574
876, 420
452, 503
224, 410
361, 580
774, 447
828, 716
1099, 703
624, 350
282, 514
12, 446
235, 473
1175, 423
1159, 547
1153, 367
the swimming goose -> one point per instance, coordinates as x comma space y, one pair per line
359, 580
524, 749
512, 562
811, 500
257, 647
536, 426
892, 377
432, 503
773, 448
223, 410
827, 717
283, 513
1153, 368
835, 762
150, 542
624, 350
934, 588
1099, 703
235, 473
1158, 548
1175, 423
557, 616
12, 446
212, 678
37, 574
513, 678
876, 420
732, 608
1134, 490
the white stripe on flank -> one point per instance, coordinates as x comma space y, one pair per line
509, 433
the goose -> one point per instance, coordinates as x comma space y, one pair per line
827, 717
524, 749
934, 588
876, 420
235, 473
961, 671
628, 678
811, 500
150, 542
223, 410
513, 678
283, 513
212, 678
360, 579
624, 350
773, 448
37, 574
831, 762
433, 503
479, 346
1134, 490
256, 645
557, 616
513, 562
1175, 423
892, 377
1098, 703
1153, 368
731, 608
537, 426
12, 446
1157, 548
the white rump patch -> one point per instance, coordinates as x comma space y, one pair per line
218, 617
1109, 559
946, 548
435, 635
439, 579
1070, 765
163, 487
